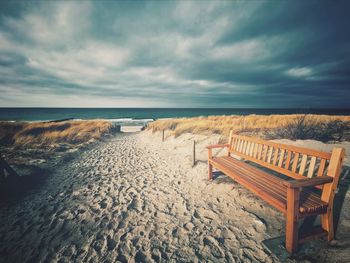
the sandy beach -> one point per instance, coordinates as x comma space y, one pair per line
132, 198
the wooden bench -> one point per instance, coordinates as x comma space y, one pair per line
311, 191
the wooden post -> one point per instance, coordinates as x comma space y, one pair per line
292, 219
194, 153
162, 135
210, 166
230, 143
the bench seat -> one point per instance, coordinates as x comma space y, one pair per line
268, 186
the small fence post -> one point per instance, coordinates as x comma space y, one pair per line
163, 135
194, 153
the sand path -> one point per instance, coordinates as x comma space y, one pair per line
124, 200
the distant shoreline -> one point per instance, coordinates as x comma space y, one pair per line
142, 114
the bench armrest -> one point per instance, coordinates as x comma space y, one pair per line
210, 147
308, 182
218, 146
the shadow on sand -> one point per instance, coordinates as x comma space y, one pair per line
14, 189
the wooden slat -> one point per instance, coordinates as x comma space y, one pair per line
250, 153
244, 146
232, 146
289, 156
264, 153
312, 164
322, 167
255, 150
303, 164
248, 148
295, 162
269, 154
281, 159
239, 147
275, 156
241, 142
237, 144
251, 145
260, 151
230, 138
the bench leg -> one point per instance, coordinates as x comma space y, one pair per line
210, 171
327, 223
292, 220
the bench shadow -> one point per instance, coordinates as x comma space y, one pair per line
201, 161
221, 178
343, 188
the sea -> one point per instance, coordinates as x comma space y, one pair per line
140, 116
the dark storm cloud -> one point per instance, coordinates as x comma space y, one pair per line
185, 54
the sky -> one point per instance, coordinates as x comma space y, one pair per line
226, 54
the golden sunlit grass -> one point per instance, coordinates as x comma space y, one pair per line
49, 133
262, 125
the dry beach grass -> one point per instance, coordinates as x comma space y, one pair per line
294, 126
48, 133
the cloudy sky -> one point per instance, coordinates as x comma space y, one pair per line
175, 54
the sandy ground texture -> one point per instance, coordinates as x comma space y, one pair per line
134, 198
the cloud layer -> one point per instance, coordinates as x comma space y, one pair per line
175, 54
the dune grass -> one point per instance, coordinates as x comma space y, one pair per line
294, 126
50, 133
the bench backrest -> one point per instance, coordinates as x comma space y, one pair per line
292, 161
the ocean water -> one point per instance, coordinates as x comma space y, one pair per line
130, 115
